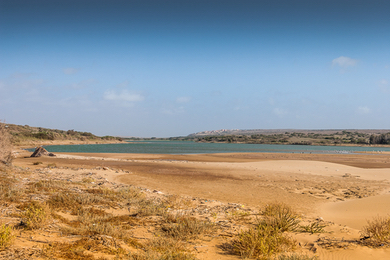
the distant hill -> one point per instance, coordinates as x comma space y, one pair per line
280, 131
21, 134
295, 136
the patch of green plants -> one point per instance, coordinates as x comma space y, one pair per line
6, 236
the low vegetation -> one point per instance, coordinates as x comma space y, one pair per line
262, 242
313, 227
280, 216
301, 138
377, 232
297, 257
6, 236
21, 134
35, 215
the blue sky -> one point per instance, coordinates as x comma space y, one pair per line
170, 68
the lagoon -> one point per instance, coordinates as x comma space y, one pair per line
189, 147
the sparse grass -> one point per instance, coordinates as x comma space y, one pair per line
80, 248
237, 215
92, 221
37, 163
162, 249
74, 201
151, 208
88, 180
377, 231
168, 255
35, 215
281, 216
51, 165
6, 236
126, 194
8, 190
177, 202
47, 186
314, 227
184, 227
297, 257
262, 242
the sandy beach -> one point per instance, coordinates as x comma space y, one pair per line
344, 190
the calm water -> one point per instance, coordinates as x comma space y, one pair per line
186, 147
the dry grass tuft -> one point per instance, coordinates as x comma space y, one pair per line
46, 186
74, 201
152, 255
262, 242
80, 249
51, 165
184, 227
8, 189
281, 216
377, 232
314, 227
297, 257
149, 207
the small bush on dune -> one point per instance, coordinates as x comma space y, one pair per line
377, 231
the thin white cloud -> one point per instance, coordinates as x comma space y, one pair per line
124, 95
82, 84
279, 112
364, 110
123, 84
183, 99
344, 62
384, 82
172, 110
70, 71
384, 86
271, 101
